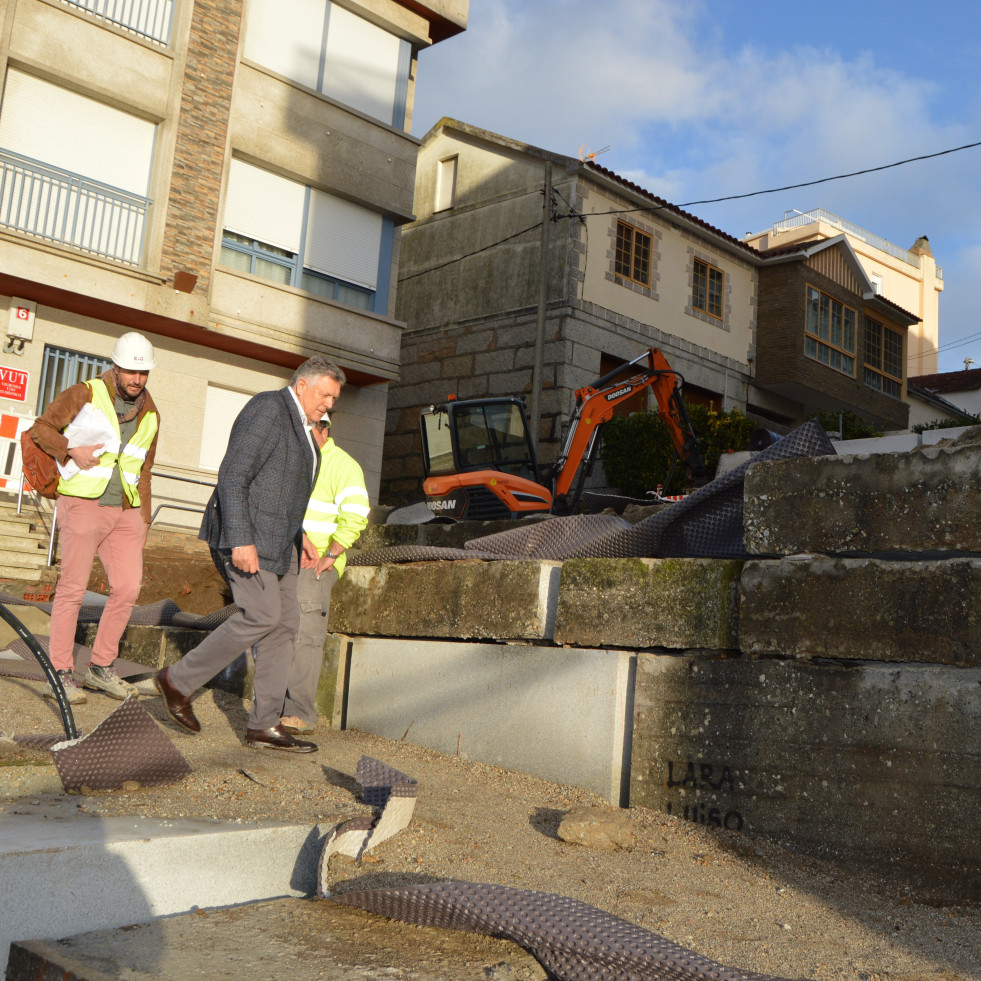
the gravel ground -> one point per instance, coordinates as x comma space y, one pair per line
734, 897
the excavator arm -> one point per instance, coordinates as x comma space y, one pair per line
595, 405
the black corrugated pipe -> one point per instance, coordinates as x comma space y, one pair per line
38, 651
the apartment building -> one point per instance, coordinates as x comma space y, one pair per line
909, 277
227, 176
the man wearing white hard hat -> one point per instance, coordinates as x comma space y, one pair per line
103, 435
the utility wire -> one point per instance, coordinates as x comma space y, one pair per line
688, 204
777, 190
460, 258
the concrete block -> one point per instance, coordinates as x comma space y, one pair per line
520, 707
675, 603
925, 500
873, 763
74, 873
513, 600
155, 647
862, 609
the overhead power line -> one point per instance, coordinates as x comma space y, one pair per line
572, 213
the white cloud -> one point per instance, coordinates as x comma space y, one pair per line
693, 113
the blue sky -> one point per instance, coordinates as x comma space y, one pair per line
699, 99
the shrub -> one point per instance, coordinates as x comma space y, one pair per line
852, 426
965, 420
637, 450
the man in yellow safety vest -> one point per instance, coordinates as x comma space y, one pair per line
103, 435
336, 515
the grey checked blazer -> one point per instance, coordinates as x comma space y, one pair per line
264, 482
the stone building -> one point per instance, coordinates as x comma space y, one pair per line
623, 270
223, 178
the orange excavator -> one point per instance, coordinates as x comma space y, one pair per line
479, 458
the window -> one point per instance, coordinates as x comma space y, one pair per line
883, 359
830, 332
632, 258
62, 368
303, 237
221, 406
445, 184
73, 170
706, 289
328, 48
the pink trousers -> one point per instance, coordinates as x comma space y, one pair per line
117, 535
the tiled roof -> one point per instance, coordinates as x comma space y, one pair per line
950, 381
667, 206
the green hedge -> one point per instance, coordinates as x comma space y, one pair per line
637, 450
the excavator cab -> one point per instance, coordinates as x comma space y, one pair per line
471, 449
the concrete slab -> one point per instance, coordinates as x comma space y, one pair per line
876, 763
513, 600
927, 500
521, 707
302, 940
862, 609
673, 603
71, 872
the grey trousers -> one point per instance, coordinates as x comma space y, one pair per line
268, 618
308, 653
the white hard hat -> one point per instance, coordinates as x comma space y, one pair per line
133, 352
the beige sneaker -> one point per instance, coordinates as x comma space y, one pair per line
106, 680
73, 693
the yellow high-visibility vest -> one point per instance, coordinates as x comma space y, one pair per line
131, 457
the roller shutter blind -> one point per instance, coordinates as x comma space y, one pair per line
264, 206
343, 240
291, 46
361, 65
72, 132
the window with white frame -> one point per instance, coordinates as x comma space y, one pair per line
446, 184
300, 236
73, 170
328, 48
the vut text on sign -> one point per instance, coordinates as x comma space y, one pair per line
13, 384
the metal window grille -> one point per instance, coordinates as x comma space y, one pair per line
63, 368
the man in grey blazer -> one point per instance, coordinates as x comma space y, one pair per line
253, 523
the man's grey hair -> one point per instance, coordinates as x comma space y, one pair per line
317, 367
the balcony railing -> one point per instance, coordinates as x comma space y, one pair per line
149, 18
819, 214
63, 207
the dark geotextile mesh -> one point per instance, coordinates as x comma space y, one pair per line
379, 781
570, 939
28, 668
706, 524
164, 613
126, 746
38, 740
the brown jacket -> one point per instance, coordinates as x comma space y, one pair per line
47, 432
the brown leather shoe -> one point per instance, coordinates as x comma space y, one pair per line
276, 737
176, 704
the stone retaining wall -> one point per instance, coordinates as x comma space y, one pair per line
829, 700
